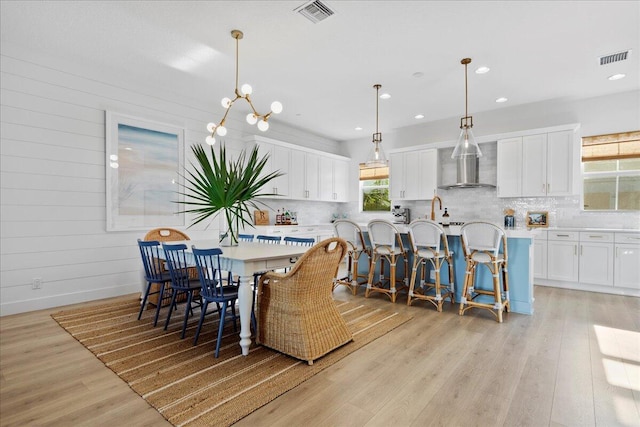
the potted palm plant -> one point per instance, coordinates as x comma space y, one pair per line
217, 184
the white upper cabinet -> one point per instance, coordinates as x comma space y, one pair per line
304, 175
279, 160
308, 174
333, 180
413, 175
509, 167
536, 165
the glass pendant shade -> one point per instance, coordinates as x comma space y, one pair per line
466, 145
376, 157
221, 130
210, 140
226, 102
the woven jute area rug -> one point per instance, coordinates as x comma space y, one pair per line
185, 383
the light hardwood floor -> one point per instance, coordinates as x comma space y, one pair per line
575, 362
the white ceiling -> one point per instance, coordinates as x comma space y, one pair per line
324, 73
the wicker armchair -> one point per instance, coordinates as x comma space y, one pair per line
296, 312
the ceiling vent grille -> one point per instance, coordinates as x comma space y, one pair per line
614, 57
314, 11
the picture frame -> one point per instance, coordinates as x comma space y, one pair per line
537, 219
144, 177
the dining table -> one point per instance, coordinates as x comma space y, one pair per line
245, 260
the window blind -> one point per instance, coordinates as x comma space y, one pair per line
613, 146
373, 173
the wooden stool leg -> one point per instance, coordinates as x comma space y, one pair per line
465, 288
392, 278
452, 279
497, 291
372, 269
414, 271
436, 266
353, 263
505, 282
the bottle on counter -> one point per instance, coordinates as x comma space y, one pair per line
445, 218
278, 218
287, 218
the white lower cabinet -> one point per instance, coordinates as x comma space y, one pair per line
596, 258
562, 256
627, 260
589, 260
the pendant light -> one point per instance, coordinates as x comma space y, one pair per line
376, 157
244, 93
466, 145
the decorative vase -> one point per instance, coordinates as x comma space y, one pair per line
229, 230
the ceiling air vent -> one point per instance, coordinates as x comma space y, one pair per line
614, 57
314, 11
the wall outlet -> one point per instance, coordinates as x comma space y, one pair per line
36, 283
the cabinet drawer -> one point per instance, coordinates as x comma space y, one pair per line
630, 238
588, 236
563, 235
541, 236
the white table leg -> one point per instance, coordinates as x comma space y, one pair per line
245, 299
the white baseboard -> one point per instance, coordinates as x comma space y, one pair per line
577, 286
16, 307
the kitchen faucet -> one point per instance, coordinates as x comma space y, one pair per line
433, 206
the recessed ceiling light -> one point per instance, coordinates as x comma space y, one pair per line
482, 70
502, 99
419, 116
385, 96
358, 128
617, 76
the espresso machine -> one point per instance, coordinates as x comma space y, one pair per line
401, 215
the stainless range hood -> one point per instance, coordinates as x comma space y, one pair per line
467, 175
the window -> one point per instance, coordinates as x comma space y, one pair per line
374, 189
611, 171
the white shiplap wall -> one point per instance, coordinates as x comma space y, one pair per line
52, 202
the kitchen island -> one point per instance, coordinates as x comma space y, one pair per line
520, 269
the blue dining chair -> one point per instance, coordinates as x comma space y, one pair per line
214, 290
299, 241
271, 240
179, 264
153, 273
245, 237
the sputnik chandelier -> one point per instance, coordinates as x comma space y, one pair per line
467, 144
244, 93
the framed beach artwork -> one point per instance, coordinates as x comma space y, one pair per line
143, 176
537, 219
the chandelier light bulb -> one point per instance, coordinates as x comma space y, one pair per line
226, 102
252, 119
221, 130
246, 89
211, 127
263, 125
210, 140
276, 107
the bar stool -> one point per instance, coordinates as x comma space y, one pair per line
352, 234
429, 244
387, 248
481, 243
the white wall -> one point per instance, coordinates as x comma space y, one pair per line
52, 157
596, 116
